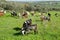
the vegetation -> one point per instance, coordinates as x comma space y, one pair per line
47, 31
36, 6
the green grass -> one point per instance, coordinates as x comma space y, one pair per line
47, 31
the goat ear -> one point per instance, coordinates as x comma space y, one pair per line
25, 21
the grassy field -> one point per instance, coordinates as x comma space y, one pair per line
47, 31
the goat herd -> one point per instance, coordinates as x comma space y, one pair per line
27, 25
